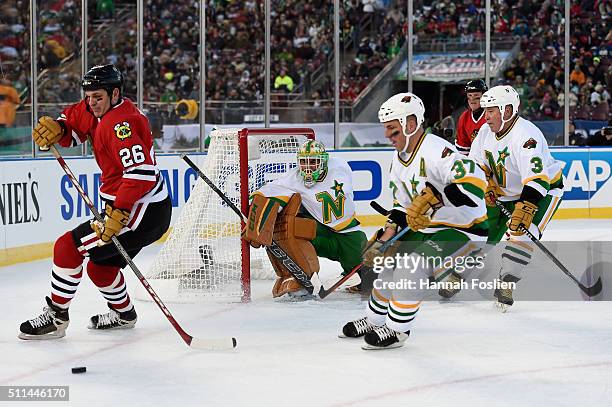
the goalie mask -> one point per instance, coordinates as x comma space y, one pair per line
399, 107
312, 162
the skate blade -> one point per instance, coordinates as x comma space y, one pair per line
503, 308
50, 335
129, 325
343, 336
371, 347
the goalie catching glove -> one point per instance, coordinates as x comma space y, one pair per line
416, 214
522, 215
47, 132
114, 221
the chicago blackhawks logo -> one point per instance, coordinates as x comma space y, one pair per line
122, 130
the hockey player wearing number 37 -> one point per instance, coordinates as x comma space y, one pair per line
439, 194
137, 207
326, 227
522, 174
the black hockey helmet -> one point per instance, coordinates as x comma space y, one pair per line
477, 85
106, 77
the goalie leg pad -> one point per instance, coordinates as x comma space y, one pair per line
260, 223
294, 236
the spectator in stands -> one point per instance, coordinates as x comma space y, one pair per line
9, 100
283, 82
105, 9
596, 96
576, 139
577, 76
347, 93
601, 138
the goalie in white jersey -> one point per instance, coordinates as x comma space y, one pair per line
326, 227
439, 194
522, 174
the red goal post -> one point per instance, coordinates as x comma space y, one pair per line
243, 137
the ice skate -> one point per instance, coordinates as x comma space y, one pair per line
383, 337
356, 328
113, 320
51, 324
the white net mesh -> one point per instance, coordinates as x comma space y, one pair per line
202, 256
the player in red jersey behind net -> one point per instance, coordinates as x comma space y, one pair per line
137, 206
472, 119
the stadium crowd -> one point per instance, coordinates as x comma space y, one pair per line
372, 34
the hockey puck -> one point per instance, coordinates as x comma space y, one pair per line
80, 369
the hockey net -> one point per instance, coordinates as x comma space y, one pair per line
204, 256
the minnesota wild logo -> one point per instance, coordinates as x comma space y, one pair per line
122, 130
531, 143
446, 152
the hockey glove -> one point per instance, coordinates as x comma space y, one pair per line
47, 132
114, 221
523, 215
374, 249
416, 213
369, 257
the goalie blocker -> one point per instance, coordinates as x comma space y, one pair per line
293, 234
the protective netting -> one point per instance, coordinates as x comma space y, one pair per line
202, 255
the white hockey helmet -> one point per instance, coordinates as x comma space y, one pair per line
500, 97
399, 107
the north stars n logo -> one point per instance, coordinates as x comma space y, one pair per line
122, 130
498, 167
331, 206
414, 183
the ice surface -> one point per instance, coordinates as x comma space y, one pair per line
459, 354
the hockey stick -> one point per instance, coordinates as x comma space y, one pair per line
293, 268
325, 292
378, 208
590, 291
196, 343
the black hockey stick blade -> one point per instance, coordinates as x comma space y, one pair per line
590, 291
378, 208
593, 290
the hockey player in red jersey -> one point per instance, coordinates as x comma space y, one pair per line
137, 207
472, 119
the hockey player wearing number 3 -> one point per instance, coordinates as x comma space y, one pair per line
137, 206
522, 174
439, 194
322, 186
